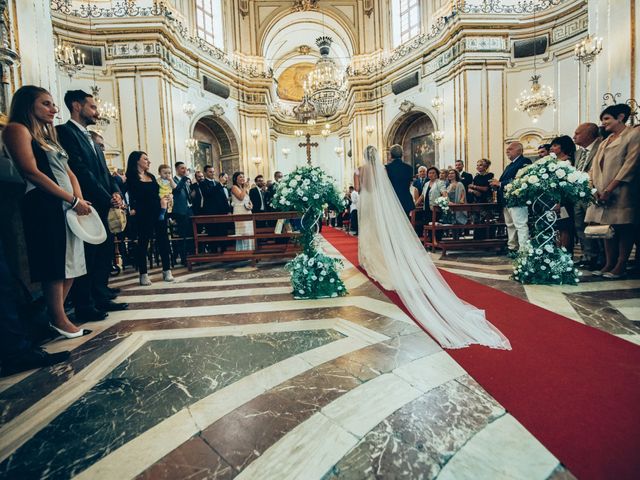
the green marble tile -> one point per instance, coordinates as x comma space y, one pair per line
158, 380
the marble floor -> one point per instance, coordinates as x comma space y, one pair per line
222, 375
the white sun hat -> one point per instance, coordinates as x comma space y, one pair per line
88, 228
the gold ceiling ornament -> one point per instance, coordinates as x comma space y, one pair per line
326, 86
304, 5
304, 49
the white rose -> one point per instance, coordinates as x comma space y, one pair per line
552, 167
316, 196
582, 194
524, 185
533, 179
293, 183
560, 173
545, 176
542, 267
298, 177
573, 177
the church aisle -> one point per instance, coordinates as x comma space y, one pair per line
236, 379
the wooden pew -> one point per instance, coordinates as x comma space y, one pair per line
493, 226
266, 243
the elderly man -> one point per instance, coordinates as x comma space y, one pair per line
419, 182
515, 217
587, 137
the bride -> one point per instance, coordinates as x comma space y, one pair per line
391, 253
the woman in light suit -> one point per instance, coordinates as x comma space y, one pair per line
433, 189
614, 173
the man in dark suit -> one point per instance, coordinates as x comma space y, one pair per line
91, 294
465, 177
258, 197
214, 202
587, 137
196, 193
401, 175
182, 210
515, 217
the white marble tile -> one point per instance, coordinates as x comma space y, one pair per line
362, 408
169, 297
335, 349
209, 283
306, 452
630, 338
503, 450
429, 372
143, 450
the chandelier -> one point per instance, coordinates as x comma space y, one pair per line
305, 111
536, 100
587, 50
107, 111
69, 59
325, 85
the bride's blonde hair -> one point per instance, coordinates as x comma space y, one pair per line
370, 153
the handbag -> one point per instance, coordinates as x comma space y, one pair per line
117, 220
605, 232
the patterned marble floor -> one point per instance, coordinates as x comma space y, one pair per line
223, 375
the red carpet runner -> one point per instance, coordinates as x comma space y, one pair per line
575, 388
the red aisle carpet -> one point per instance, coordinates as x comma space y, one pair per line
575, 388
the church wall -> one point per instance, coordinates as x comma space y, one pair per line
34, 34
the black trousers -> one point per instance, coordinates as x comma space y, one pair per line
353, 226
14, 333
91, 289
184, 229
146, 230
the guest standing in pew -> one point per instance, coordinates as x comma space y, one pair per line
56, 255
91, 294
214, 202
149, 212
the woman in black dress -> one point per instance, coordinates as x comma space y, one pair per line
148, 213
564, 149
479, 189
56, 255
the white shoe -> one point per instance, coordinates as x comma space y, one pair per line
64, 333
144, 280
166, 276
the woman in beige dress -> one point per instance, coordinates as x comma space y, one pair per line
614, 174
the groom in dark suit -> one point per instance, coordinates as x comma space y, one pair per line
214, 202
400, 175
90, 293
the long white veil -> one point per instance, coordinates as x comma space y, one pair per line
391, 253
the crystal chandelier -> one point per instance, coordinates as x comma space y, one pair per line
534, 101
107, 111
69, 59
305, 111
325, 85
587, 50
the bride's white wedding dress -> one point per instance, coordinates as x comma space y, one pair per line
391, 253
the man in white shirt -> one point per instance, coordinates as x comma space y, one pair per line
353, 211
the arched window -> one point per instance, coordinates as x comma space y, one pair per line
405, 20
209, 22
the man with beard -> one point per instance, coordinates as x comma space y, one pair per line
91, 294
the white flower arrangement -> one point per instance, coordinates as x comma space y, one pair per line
557, 180
443, 204
549, 264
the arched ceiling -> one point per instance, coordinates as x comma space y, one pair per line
282, 40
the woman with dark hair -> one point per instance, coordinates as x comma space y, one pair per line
614, 173
56, 255
565, 151
457, 194
242, 206
150, 214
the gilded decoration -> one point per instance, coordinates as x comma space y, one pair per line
291, 81
569, 29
